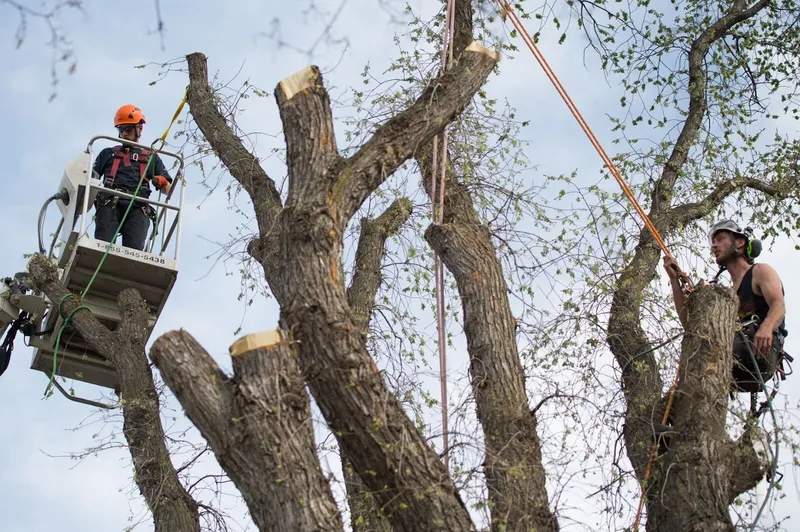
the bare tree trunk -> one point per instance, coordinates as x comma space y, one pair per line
172, 507
703, 470
300, 247
513, 464
258, 423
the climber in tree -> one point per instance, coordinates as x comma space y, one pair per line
121, 168
761, 302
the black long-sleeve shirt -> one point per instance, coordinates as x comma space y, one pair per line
127, 177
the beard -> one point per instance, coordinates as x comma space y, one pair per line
727, 256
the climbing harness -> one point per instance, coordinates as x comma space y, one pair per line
438, 213
126, 156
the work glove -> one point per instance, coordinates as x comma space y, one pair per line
160, 182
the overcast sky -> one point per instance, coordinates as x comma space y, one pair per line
37, 139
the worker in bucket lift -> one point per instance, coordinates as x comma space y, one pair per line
761, 303
121, 168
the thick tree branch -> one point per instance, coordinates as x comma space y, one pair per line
172, 507
305, 112
46, 278
698, 101
134, 317
513, 464
369, 257
258, 424
682, 215
641, 380
366, 515
463, 33
386, 449
242, 165
398, 139
202, 388
702, 468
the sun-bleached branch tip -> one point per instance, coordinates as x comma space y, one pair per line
255, 341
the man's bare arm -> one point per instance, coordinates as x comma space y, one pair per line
677, 293
767, 282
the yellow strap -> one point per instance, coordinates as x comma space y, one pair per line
163, 137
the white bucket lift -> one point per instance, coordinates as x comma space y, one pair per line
80, 261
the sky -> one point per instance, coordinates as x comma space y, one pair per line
41, 490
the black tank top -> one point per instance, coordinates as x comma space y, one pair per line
752, 304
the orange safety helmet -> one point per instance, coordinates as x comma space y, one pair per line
128, 114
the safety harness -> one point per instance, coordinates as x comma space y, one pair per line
745, 359
127, 157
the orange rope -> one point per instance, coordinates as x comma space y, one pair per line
592, 138
684, 279
438, 217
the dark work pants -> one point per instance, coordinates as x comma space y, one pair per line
133, 231
745, 376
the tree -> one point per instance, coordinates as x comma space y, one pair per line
730, 63
257, 420
300, 249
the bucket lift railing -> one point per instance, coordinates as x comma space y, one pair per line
165, 206
82, 261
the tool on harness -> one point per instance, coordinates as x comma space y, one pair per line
105, 199
745, 378
751, 372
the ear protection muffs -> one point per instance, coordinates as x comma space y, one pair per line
753, 246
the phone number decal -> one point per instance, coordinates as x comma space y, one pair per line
132, 253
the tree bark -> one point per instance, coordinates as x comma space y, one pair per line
365, 514
641, 381
703, 467
258, 423
513, 462
172, 507
385, 447
515, 475
304, 271
514, 472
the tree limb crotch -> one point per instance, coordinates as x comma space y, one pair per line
305, 273
258, 423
